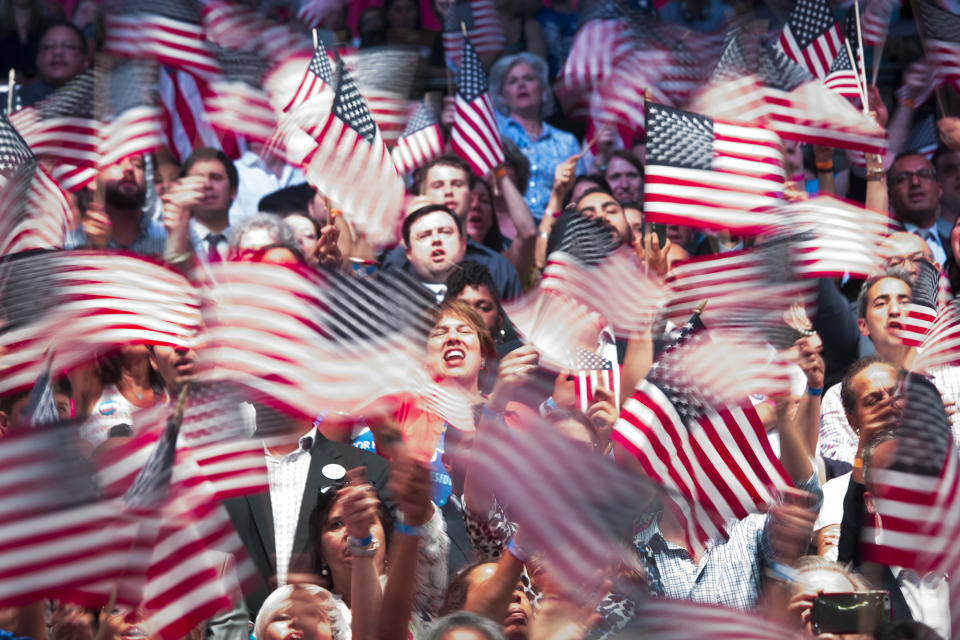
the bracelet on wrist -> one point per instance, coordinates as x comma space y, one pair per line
410, 530
826, 165
516, 551
367, 551
360, 542
490, 414
543, 234
908, 103
499, 172
814, 392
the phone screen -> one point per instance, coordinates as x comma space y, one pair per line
850, 612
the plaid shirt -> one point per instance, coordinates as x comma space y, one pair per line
729, 571
838, 440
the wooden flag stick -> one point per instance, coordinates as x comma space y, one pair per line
463, 27
589, 143
859, 68
11, 77
877, 57
856, 74
316, 38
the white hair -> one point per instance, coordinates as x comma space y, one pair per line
280, 232
498, 75
280, 596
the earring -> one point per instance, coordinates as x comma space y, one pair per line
325, 571
483, 364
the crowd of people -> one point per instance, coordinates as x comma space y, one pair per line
380, 526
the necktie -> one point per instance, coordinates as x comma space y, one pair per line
213, 252
650, 566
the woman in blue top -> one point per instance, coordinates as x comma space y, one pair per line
522, 97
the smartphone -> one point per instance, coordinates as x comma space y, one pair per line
849, 612
659, 228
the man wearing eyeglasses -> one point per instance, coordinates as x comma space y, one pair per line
915, 197
62, 55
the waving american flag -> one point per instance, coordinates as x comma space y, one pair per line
421, 142
350, 163
811, 36
34, 211
168, 31
475, 136
707, 173
715, 461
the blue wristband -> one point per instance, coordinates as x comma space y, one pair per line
360, 542
814, 392
490, 414
516, 552
409, 530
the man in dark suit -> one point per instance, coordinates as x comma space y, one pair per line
915, 197
300, 462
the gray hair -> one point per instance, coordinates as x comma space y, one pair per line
498, 75
809, 564
464, 620
324, 600
862, 301
280, 232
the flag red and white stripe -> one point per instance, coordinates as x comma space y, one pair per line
177, 43
348, 161
482, 22
837, 237
567, 500
875, 21
97, 300
811, 37
136, 131
598, 48
272, 332
185, 121
843, 78
421, 142
47, 217
717, 469
54, 533
666, 619
630, 297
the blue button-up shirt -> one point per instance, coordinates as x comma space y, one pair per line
150, 241
545, 153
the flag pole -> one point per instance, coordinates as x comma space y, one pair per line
316, 38
877, 56
923, 43
860, 68
589, 143
11, 76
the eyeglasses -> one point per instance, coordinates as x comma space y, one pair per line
913, 258
904, 177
